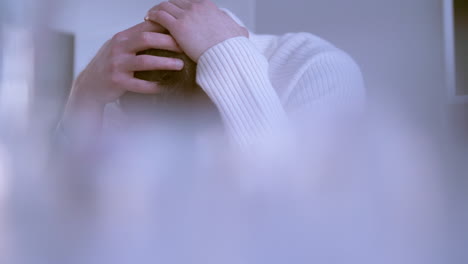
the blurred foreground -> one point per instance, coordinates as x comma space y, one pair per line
385, 187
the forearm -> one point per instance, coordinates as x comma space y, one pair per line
235, 76
82, 119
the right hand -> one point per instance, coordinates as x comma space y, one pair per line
111, 73
197, 25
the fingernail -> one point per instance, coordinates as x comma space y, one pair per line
180, 64
147, 18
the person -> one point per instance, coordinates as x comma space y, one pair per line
258, 83
178, 90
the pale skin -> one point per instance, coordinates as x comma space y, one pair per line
197, 25
194, 26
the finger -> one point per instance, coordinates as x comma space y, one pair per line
153, 63
150, 40
170, 8
183, 4
154, 8
145, 27
163, 18
140, 86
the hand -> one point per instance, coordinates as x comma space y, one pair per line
111, 73
197, 25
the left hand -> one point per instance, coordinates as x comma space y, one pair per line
196, 25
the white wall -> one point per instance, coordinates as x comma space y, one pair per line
398, 43
95, 21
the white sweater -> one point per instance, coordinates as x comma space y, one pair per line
259, 82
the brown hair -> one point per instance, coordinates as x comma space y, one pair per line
177, 86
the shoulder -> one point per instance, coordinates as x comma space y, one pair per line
303, 61
299, 53
305, 49
300, 45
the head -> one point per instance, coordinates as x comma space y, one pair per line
180, 99
178, 88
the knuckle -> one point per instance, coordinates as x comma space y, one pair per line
145, 38
164, 5
165, 39
153, 12
156, 15
154, 8
114, 51
119, 37
114, 66
153, 15
115, 80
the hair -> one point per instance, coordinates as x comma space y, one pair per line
177, 87
181, 98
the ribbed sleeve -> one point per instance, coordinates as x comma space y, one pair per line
330, 83
234, 74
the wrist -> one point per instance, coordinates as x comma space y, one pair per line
80, 102
216, 44
81, 109
82, 118
81, 96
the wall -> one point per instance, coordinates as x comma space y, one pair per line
398, 43
461, 45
